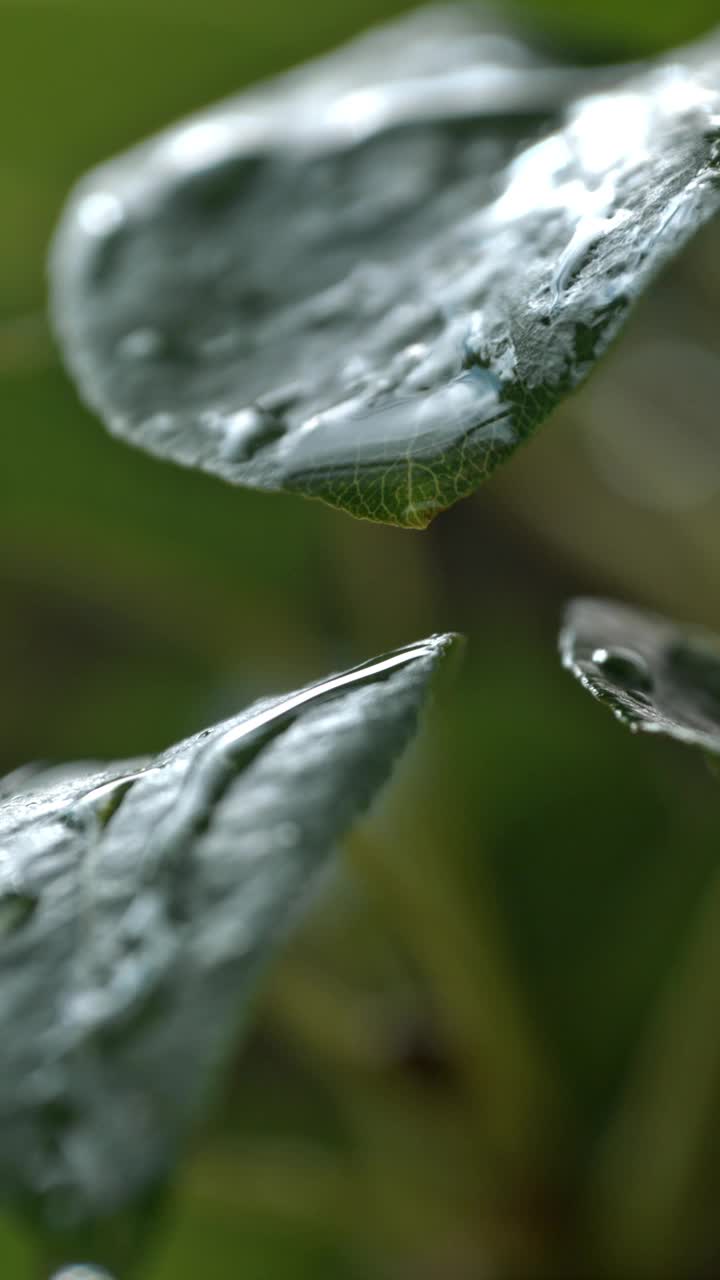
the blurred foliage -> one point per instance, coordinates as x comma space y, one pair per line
618, 27
444, 1080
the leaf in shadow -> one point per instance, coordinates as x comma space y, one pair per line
348, 284
656, 675
138, 901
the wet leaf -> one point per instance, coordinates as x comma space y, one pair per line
138, 902
656, 675
348, 284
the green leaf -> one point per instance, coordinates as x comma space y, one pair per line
138, 902
656, 675
342, 284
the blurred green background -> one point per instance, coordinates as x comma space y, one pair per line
495, 1048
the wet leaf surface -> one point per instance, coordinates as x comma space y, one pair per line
656, 675
355, 284
138, 902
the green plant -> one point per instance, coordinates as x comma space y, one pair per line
138, 904
208, 303
406, 333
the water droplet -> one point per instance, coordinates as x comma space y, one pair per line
248, 431
100, 213
358, 113
159, 425
587, 233
96, 807
407, 360
624, 668
201, 144
81, 1271
280, 399
16, 908
285, 709
141, 344
356, 371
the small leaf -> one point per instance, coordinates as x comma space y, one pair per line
138, 902
655, 674
342, 284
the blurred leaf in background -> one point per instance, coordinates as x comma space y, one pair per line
446, 1047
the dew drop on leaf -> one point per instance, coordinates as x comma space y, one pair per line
363, 232
247, 431
655, 674
624, 668
82, 1271
141, 344
164, 886
100, 213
